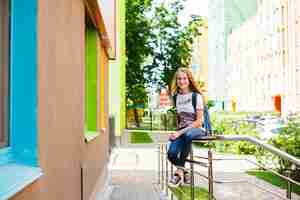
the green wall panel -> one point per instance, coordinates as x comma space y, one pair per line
123, 63
91, 81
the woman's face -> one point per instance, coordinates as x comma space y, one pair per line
182, 81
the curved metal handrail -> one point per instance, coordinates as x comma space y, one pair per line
295, 161
252, 140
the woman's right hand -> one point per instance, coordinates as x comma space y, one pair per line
174, 136
171, 137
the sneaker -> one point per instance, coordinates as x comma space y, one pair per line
175, 181
187, 178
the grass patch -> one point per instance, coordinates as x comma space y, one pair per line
274, 180
140, 138
184, 193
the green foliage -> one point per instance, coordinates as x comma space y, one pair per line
156, 44
274, 180
183, 193
138, 33
172, 110
137, 96
242, 147
171, 42
210, 104
169, 120
288, 140
231, 126
140, 137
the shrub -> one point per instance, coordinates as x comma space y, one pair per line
288, 140
231, 126
210, 104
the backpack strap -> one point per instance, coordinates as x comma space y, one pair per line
174, 99
194, 101
207, 122
206, 117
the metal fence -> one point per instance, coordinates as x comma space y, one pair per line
112, 133
153, 121
165, 169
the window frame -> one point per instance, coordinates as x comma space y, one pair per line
23, 67
91, 84
4, 89
19, 164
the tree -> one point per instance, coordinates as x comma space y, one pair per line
153, 32
138, 32
171, 42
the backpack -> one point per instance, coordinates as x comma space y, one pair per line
206, 118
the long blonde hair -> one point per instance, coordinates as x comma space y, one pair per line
193, 84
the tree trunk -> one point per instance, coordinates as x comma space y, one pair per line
136, 117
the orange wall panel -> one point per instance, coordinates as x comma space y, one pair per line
103, 87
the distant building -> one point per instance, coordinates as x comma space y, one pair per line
263, 59
164, 100
224, 16
216, 50
199, 63
153, 100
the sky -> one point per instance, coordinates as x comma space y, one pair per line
199, 7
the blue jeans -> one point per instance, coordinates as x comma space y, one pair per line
180, 148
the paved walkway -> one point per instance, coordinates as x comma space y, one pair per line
134, 176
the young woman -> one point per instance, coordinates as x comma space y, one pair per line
189, 122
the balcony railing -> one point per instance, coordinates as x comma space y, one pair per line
164, 169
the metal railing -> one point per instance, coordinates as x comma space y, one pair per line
163, 165
154, 121
112, 133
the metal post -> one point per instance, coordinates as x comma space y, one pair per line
158, 161
162, 168
172, 178
210, 175
165, 120
192, 184
167, 175
172, 169
289, 187
161, 165
151, 125
289, 190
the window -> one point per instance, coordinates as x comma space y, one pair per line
91, 83
18, 115
96, 73
91, 80
4, 71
